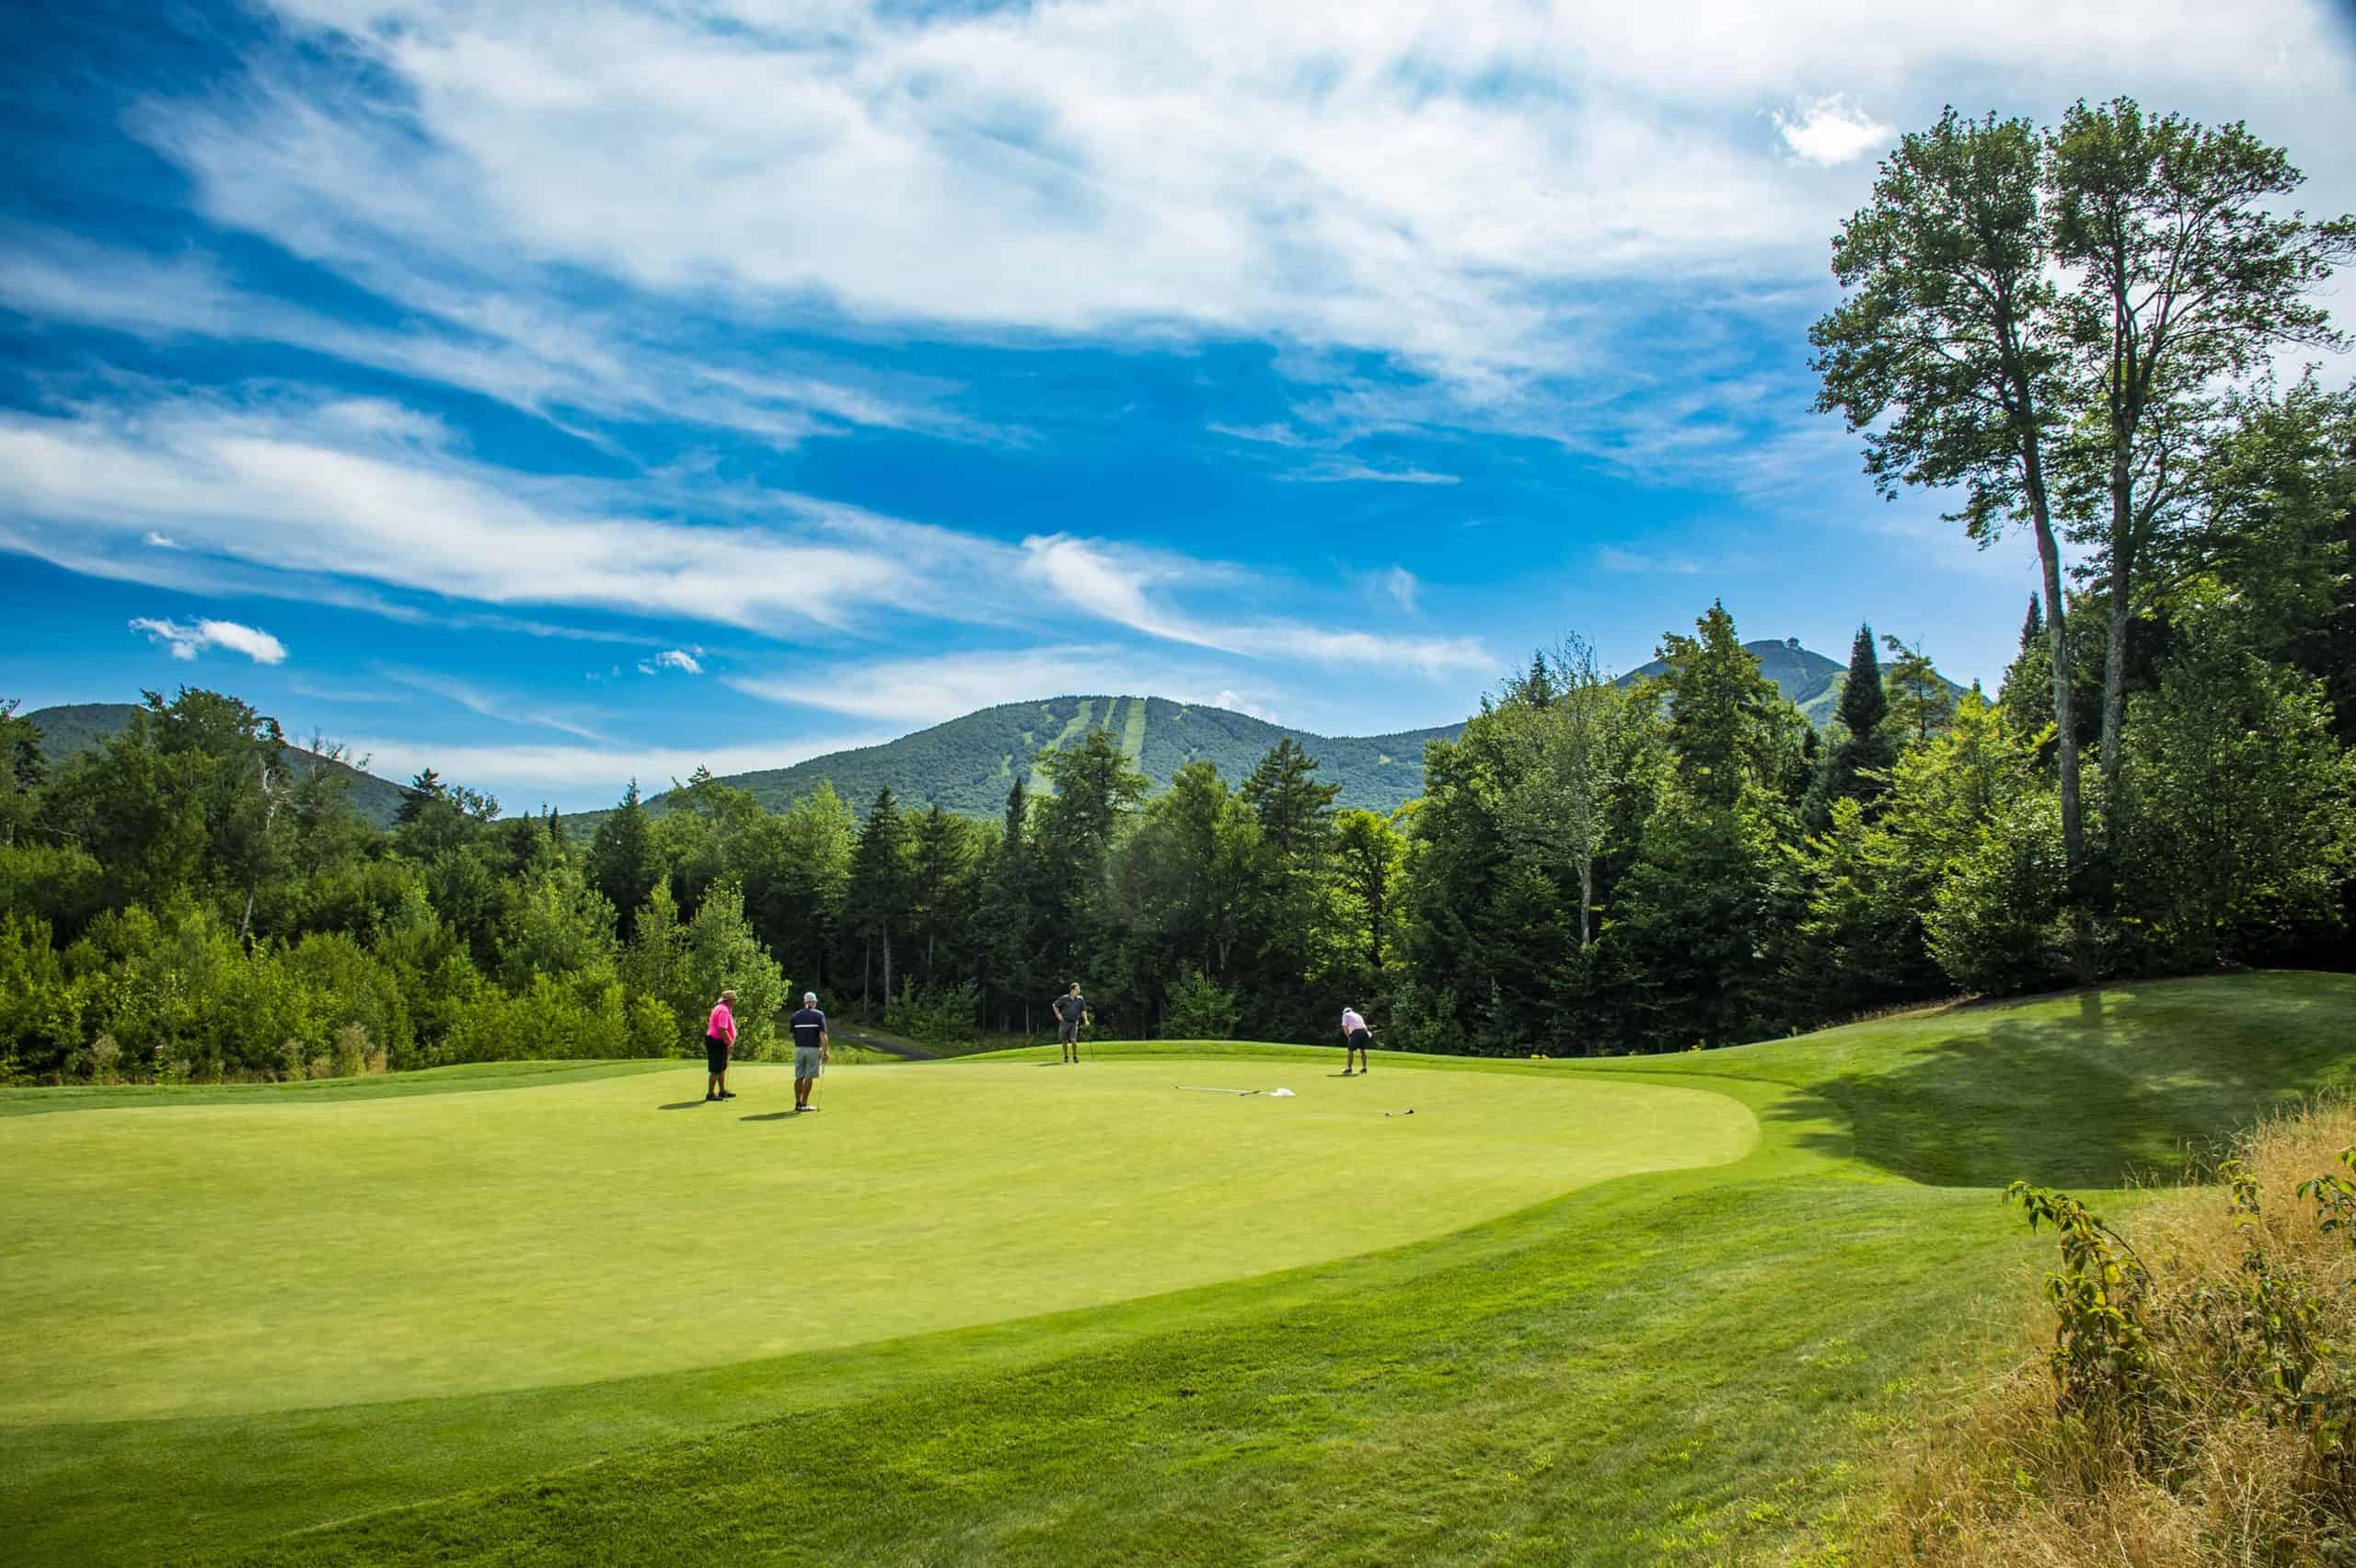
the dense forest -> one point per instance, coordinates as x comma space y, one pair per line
2073, 331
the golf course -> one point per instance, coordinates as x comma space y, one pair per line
999, 1308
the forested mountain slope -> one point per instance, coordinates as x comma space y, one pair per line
968, 764
73, 728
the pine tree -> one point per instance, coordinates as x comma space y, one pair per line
1296, 811
880, 894
1859, 766
420, 792
622, 861
1727, 723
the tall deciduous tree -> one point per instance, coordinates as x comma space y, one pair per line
1947, 350
1567, 751
2185, 274
1369, 860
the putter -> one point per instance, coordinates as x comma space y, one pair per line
1409, 1111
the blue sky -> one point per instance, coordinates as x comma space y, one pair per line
554, 397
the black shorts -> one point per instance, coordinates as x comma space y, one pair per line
715, 1053
1361, 1041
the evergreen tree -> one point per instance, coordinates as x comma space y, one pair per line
1007, 915
1921, 706
940, 868
622, 863
879, 894
421, 792
1096, 793
1296, 811
1858, 766
1728, 725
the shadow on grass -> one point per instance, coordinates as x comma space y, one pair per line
772, 1116
683, 1104
2094, 1089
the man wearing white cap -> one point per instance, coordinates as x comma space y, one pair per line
809, 1028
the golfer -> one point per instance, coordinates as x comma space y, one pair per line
1358, 1043
809, 1028
718, 1044
1071, 1015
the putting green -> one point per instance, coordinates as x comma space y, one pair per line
203, 1259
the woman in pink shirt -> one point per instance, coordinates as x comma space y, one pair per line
718, 1043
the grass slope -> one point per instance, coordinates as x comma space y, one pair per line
1677, 1365
71, 729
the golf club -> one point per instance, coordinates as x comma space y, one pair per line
1209, 1088
1409, 1111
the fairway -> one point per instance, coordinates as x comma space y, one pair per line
281, 1256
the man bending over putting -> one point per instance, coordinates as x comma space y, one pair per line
1072, 1013
1357, 1042
718, 1044
809, 1028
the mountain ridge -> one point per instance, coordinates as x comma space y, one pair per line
69, 729
968, 764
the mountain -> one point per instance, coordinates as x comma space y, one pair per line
1809, 680
968, 765
68, 731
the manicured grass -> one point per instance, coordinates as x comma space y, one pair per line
1673, 1364
381, 1086
636, 1228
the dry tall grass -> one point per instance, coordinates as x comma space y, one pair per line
2217, 1468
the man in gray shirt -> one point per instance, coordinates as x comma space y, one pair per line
1071, 1012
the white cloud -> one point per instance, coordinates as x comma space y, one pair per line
672, 659
1235, 703
1267, 434
926, 691
160, 541
188, 638
1827, 132
1130, 588
1424, 184
485, 340
586, 776
1349, 473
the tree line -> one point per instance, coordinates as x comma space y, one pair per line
2072, 329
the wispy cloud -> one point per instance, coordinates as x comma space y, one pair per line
928, 690
1404, 588
678, 659
584, 775
1612, 558
505, 346
1124, 586
1355, 473
495, 705
1266, 435
267, 492
188, 638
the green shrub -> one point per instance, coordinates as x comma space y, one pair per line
1199, 1008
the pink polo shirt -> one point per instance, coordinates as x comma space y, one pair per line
722, 1026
